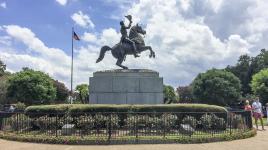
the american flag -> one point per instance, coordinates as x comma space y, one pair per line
75, 36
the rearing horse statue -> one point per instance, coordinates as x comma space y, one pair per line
120, 50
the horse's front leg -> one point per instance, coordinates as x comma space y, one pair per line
152, 54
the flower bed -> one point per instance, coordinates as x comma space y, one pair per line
99, 124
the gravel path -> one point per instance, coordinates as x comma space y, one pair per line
259, 142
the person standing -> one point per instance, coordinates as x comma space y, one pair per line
257, 112
247, 106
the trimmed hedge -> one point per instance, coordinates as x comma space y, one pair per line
93, 108
76, 140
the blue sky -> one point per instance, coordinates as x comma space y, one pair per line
188, 36
52, 22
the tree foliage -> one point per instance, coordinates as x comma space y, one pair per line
83, 92
185, 94
246, 67
218, 87
31, 87
2, 68
4, 76
62, 91
3, 89
259, 85
169, 94
243, 71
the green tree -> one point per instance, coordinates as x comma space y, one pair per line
259, 85
246, 67
2, 68
185, 94
169, 94
242, 71
217, 87
61, 91
31, 87
4, 76
259, 62
83, 92
3, 89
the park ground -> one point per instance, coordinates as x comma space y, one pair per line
259, 142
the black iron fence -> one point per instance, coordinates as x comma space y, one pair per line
127, 125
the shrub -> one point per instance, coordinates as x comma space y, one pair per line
75, 109
102, 121
114, 121
85, 122
218, 123
171, 120
206, 121
20, 106
18, 122
165, 121
211, 121
128, 140
43, 110
130, 121
236, 121
47, 123
51, 122
141, 121
190, 120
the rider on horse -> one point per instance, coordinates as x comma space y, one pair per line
125, 38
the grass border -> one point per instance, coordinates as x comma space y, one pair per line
73, 140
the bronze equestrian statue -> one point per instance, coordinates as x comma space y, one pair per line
128, 45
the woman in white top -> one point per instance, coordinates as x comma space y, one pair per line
257, 112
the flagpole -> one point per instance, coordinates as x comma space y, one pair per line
72, 62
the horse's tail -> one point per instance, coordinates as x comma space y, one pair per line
102, 52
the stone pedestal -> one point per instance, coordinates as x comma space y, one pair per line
132, 86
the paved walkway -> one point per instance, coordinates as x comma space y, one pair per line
259, 142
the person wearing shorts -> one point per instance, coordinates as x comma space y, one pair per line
257, 112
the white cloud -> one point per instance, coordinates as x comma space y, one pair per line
82, 20
5, 40
3, 5
202, 35
89, 37
62, 2
50, 60
184, 45
109, 37
54, 61
26, 36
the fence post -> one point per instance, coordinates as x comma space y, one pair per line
135, 127
17, 123
56, 125
230, 122
249, 119
1, 121
164, 126
110, 128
